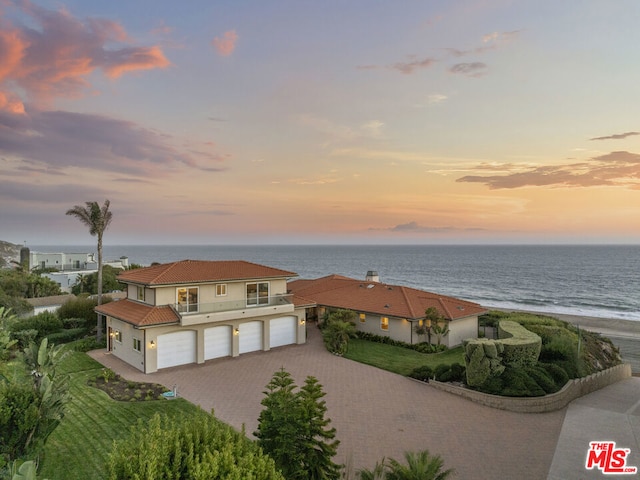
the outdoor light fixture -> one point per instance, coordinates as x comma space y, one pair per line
152, 344
302, 321
236, 331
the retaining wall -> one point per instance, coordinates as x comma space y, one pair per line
575, 388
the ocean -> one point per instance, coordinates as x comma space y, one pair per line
588, 280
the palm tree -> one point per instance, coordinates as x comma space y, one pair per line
97, 219
420, 466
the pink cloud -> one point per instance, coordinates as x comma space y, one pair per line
227, 44
56, 57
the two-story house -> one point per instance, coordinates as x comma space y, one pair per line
192, 311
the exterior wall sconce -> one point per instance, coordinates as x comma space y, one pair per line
112, 334
302, 321
236, 331
152, 344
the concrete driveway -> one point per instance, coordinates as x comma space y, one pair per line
376, 413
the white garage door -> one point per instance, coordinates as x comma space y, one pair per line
250, 337
176, 348
217, 342
282, 331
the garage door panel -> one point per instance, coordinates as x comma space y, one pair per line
217, 342
178, 348
250, 337
282, 331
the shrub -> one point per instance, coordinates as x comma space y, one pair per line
557, 374
87, 344
424, 373
45, 323
542, 378
75, 322
458, 372
66, 336
24, 337
188, 447
82, 307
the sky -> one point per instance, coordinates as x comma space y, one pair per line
301, 122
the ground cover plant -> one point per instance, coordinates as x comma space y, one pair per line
397, 359
80, 445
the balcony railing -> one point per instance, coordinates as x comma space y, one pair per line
229, 306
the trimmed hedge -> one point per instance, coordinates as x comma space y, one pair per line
521, 346
418, 347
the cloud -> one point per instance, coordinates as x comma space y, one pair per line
436, 98
613, 169
616, 136
415, 227
473, 69
53, 53
61, 139
407, 68
226, 44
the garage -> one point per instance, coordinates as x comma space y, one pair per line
176, 348
217, 342
282, 331
250, 337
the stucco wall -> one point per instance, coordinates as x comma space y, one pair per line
124, 350
461, 329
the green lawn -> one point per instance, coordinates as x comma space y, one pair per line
398, 359
79, 446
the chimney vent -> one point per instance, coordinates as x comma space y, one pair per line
372, 276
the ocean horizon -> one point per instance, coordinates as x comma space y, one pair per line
588, 280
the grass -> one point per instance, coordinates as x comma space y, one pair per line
79, 446
398, 359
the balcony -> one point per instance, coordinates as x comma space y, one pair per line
196, 313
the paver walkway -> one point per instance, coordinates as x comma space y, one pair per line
376, 413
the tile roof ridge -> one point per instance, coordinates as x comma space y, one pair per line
444, 307
407, 300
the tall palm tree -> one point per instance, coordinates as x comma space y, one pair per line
97, 218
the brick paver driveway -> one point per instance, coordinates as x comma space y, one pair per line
376, 413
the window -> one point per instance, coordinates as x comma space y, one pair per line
187, 299
384, 323
137, 345
221, 290
258, 293
363, 318
117, 336
140, 295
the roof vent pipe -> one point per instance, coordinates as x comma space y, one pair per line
372, 276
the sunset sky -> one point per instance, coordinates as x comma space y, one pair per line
321, 122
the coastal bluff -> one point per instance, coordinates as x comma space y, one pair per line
9, 252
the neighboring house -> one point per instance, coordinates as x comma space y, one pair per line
47, 304
68, 266
192, 311
389, 310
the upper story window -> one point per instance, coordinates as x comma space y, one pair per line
221, 290
258, 293
140, 294
187, 299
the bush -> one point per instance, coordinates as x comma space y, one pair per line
66, 336
45, 323
557, 374
188, 447
424, 373
87, 344
82, 307
24, 337
75, 323
542, 378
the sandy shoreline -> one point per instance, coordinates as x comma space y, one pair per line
613, 327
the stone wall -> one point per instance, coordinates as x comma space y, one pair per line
575, 388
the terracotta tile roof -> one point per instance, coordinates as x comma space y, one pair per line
198, 271
379, 298
139, 314
49, 301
